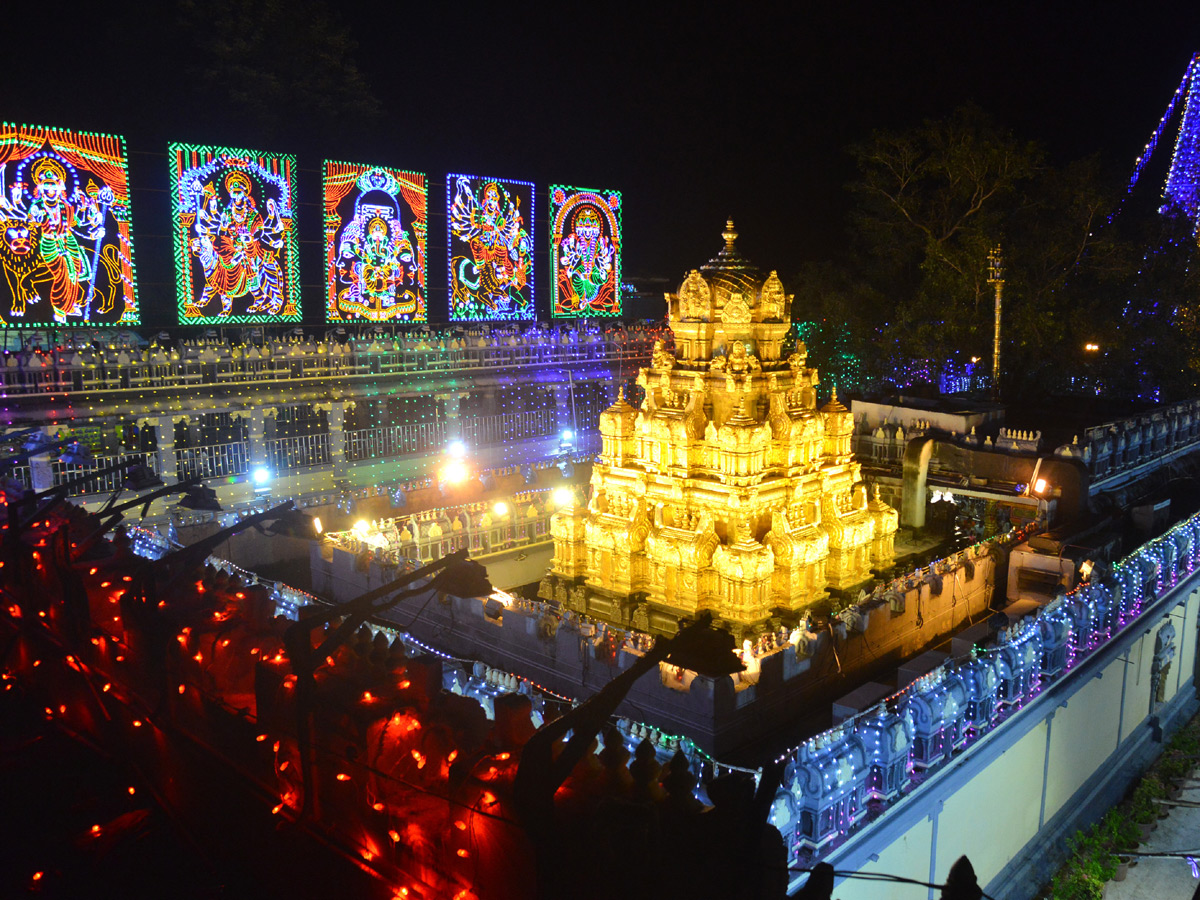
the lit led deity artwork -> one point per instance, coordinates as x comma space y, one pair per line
235, 237
585, 252
375, 231
491, 252
65, 249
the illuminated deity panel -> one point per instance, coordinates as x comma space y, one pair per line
375, 238
66, 247
235, 235
585, 252
491, 251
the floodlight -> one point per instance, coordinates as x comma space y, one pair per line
500, 508
261, 476
1039, 486
294, 523
198, 496
456, 449
77, 454
140, 477
567, 436
38, 441
562, 496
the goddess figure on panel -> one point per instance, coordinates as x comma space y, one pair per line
585, 261
237, 247
44, 222
489, 280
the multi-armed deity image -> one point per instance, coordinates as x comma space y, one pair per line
728, 490
66, 249
491, 254
235, 239
375, 271
585, 252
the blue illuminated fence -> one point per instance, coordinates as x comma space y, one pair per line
833, 779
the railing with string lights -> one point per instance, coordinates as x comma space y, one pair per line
483, 430
1116, 447
394, 440
212, 460
64, 472
92, 369
298, 452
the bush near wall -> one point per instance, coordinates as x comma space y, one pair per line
1096, 852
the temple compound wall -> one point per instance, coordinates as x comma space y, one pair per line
1004, 766
792, 676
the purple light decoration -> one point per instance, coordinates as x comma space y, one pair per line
1182, 190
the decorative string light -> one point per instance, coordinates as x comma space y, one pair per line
376, 226
63, 187
490, 258
236, 254
585, 252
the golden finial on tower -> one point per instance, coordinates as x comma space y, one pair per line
730, 234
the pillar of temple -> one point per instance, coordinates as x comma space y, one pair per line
337, 437
164, 434
451, 417
257, 437
41, 467
564, 406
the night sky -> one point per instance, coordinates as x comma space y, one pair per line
693, 116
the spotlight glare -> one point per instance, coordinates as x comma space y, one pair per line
454, 472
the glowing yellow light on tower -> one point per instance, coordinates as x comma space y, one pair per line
500, 509
562, 496
317, 527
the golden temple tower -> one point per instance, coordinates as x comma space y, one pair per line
728, 490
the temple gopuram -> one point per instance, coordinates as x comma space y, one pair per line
729, 490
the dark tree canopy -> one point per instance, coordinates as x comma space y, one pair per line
930, 202
282, 68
